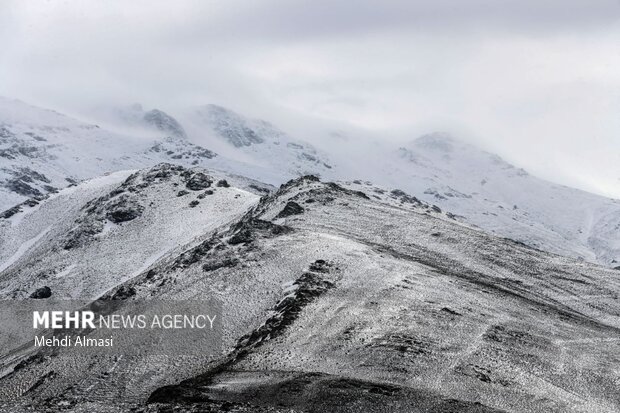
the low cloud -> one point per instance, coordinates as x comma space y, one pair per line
536, 81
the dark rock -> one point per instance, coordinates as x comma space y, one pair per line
449, 311
259, 189
291, 208
195, 254
20, 187
122, 209
199, 181
83, 232
194, 203
222, 183
320, 266
335, 186
309, 286
31, 202
43, 292
248, 229
405, 197
124, 293
205, 193
37, 358
182, 192
11, 211
241, 237
122, 215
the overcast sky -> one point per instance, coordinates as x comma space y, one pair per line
537, 81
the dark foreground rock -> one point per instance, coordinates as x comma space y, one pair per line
291, 208
43, 292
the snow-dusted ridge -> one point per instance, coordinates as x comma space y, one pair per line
331, 297
42, 151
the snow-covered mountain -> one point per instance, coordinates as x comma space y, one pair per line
332, 300
45, 245
42, 151
491, 193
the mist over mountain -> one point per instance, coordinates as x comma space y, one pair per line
379, 207
45, 151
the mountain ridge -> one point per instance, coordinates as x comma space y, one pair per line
330, 296
45, 151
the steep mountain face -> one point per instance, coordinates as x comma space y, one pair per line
496, 196
333, 300
263, 143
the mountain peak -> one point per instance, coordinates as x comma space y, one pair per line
164, 122
439, 141
230, 125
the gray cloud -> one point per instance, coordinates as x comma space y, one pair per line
536, 81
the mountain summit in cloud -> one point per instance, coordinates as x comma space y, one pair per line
44, 151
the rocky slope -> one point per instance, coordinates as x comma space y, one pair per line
333, 300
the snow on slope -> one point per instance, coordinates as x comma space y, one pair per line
259, 142
137, 218
335, 300
498, 197
42, 151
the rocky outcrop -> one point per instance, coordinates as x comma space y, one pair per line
42, 292
291, 208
